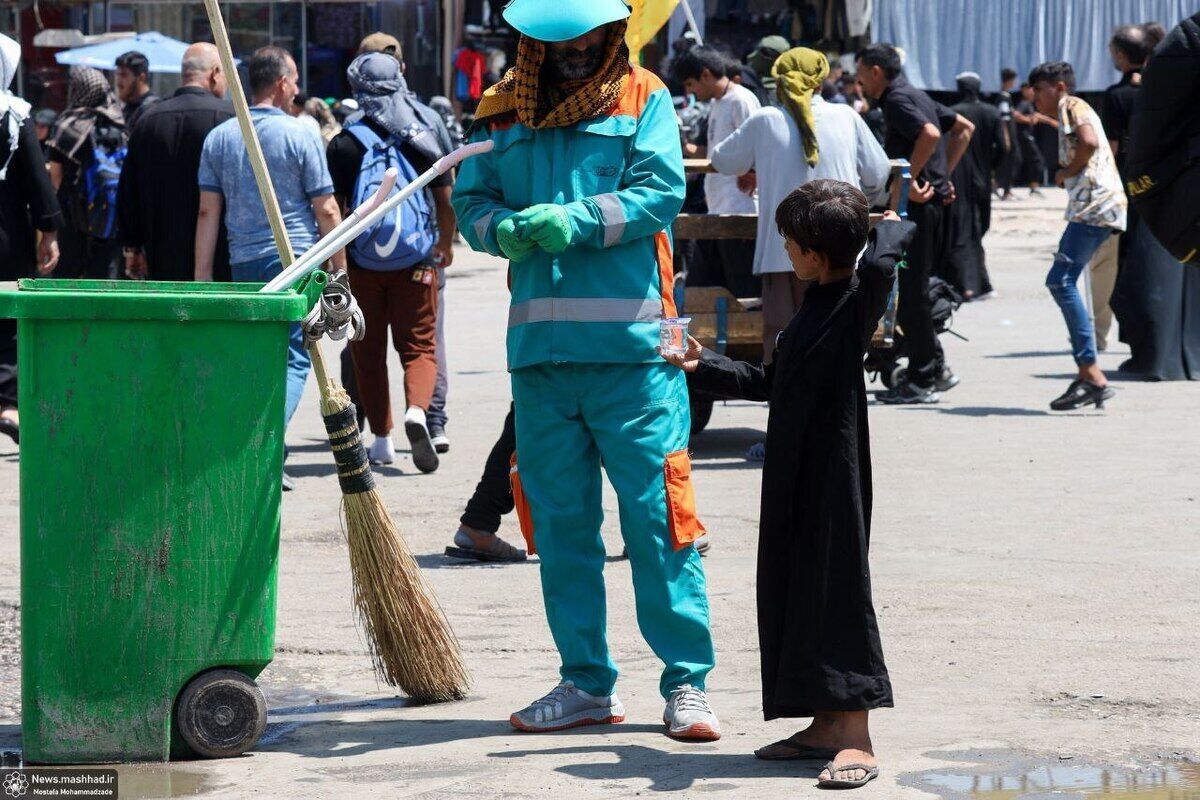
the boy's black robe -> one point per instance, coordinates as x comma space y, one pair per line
818, 636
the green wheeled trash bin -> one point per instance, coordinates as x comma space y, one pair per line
151, 452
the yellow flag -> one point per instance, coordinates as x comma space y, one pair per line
646, 21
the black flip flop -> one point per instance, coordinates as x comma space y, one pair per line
471, 554
830, 783
11, 428
797, 752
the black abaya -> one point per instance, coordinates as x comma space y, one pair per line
970, 215
1157, 302
818, 636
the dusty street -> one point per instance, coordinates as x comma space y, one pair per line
1035, 577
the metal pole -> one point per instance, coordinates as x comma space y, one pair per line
686, 5
304, 43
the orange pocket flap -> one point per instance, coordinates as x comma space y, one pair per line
682, 523
522, 505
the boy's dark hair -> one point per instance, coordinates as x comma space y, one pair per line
1008, 74
882, 55
267, 65
1133, 43
1052, 72
828, 217
1026, 85
689, 64
135, 62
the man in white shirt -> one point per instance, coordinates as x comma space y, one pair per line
836, 144
704, 72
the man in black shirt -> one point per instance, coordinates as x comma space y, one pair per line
1010, 164
159, 195
933, 138
133, 86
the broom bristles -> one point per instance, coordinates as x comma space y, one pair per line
411, 644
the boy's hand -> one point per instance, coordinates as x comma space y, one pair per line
689, 361
515, 247
892, 215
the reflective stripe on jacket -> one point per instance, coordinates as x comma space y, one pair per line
620, 178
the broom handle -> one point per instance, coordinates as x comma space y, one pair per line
368, 214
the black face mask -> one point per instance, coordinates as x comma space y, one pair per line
576, 65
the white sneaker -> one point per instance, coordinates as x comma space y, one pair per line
423, 453
567, 707
688, 715
382, 451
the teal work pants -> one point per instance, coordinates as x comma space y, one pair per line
633, 419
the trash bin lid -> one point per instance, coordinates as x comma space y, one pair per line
150, 300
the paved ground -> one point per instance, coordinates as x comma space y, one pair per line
1035, 581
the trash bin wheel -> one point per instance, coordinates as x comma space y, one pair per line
221, 713
702, 409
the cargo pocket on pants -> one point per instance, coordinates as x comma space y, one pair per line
682, 523
522, 505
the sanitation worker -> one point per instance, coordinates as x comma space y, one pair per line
585, 177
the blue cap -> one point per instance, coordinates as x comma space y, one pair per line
562, 20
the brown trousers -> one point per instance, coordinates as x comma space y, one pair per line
410, 308
782, 296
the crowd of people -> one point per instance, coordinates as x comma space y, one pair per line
131, 185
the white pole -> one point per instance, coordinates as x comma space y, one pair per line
686, 5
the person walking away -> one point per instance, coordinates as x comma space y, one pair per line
969, 217
393, 267
159, 196
933, 139
803, 138
133, 87
591, 279
29, 219
1010, 165
87, 152
1096, 207
704, 73
1026, 120
436, 417
818, 637
295, 158
1129, 48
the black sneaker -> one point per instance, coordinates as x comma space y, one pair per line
944, 382
1082, 393
908, 394
289, 483
437, 435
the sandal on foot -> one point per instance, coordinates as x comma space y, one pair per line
789, 750
832, 783
491, 549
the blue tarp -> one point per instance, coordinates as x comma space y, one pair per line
163, 52
942, 38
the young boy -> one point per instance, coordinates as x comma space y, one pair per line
821, 655
1095, 211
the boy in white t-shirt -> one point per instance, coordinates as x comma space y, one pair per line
705, 73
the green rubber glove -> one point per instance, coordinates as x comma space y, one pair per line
548, 225
516, 247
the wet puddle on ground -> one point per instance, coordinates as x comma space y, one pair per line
136, 781
1010, 776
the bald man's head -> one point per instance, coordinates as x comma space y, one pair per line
201, 67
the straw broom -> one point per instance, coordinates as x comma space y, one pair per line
410, 640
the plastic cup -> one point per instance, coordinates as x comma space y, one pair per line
673, 335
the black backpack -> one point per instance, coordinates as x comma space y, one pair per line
1163, 163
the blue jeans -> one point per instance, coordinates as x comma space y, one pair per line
1078, 244
261, 270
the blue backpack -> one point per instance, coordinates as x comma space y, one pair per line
100, 186
405, 237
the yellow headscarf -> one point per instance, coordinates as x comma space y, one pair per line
798, 73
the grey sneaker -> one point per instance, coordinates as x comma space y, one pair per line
567, 707
688, 715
